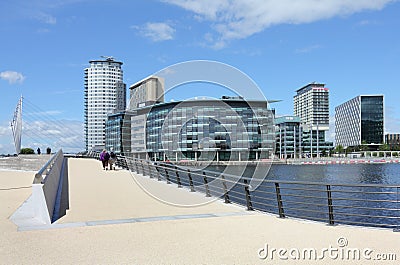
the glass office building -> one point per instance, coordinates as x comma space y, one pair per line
360, 121
295, 139
372, 119
118, 133
288, 136
221, 130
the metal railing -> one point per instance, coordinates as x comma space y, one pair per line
373, 205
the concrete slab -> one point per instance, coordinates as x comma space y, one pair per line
233, 236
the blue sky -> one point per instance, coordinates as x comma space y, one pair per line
352, 46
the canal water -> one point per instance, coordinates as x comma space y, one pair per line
351, 203
346, 173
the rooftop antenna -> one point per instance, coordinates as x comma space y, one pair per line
108, 58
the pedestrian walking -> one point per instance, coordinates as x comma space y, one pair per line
113, 158
104, 157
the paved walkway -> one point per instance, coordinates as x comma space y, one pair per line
113, 221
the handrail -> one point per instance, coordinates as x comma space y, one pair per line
46, 168
49, 200
333, 203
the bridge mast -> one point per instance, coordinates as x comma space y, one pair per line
16, 126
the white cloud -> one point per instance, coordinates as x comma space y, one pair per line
52, 133
5, 131
308, 49
43, 113
158, 31
238, 19
46, 18
367, 23
12, 77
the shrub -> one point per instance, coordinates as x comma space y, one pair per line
27, 151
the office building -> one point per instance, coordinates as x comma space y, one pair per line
360, 121
105, 93
288, 136
118, 132
393, 141
146, 92
295, 139
311, 105
221, 130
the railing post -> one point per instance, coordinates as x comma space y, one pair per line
158, 171
248, 198
142, 163
148, 165
397, 229
279, 199
136, 165
190, 181
167, 175
226, 196
206, 184
178, 179
330, 205
130, 163
125, 163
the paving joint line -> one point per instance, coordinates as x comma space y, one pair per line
130, 220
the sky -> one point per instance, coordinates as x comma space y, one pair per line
353, 46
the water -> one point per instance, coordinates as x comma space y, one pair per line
359, 205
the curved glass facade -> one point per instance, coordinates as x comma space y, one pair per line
209, 130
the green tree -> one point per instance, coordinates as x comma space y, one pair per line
364, 146
27, 151
339, 149
323, 153
384, 147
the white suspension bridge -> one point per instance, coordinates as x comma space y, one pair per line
33, 127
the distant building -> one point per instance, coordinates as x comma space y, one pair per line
311, 104
393, 141
360, 121
146, 92
295, 139
288, 136
105, 93
314, 142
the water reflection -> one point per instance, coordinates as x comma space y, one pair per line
354, 174
372, 206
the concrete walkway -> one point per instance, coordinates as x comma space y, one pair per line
113, 221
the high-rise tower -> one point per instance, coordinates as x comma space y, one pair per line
105, 93
311, 104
